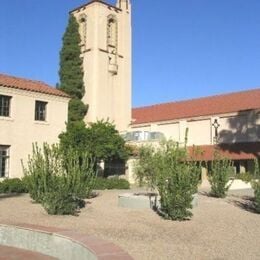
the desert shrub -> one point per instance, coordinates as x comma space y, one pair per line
42, 165
219, 175
256, 185
257, 168
57, 203
170, 170
111, 183
145, 167
59, 179
14, 185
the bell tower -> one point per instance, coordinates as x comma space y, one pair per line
123, 4
106, 52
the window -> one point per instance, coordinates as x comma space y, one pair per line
83, 30
4, 160
40, 110
112, 31
5, 105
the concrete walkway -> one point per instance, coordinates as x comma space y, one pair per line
11, 253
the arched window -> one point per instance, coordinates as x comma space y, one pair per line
83, 29
112, 31
112, 44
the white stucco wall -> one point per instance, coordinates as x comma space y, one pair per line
171, 131
199, 132
20, 130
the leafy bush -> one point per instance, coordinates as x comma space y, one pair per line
58, 179
111, 183
219, 175
12, 186
170, 170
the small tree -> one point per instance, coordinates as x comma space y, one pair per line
105, 143
219, 175
71, 73
100, 139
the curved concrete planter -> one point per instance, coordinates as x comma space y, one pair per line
59, 243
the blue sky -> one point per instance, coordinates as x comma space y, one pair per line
181, 49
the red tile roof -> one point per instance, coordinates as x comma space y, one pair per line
213, 105
235, 151
30, 85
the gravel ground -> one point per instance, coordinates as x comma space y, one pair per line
219, 229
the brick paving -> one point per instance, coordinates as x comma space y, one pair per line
11, 253
102, 249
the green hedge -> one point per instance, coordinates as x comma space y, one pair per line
13, 186
20, 186
111, 183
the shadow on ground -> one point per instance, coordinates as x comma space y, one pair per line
205, 193
10, 195
243, 202
242, 199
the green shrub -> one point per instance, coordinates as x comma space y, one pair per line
219, 175
145, 169
55, 177
12, 186
57, 203
111, 183
170, 170
256, 187
42, 166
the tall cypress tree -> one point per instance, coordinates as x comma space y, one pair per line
71, 73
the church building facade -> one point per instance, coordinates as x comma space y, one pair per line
27, 108
231, 120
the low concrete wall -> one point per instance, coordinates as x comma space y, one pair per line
239, 185
144, 201
59, 243
236, 185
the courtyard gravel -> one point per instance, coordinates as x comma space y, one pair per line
219, 229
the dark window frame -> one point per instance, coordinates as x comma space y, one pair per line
5, 105
40, 112
4, 160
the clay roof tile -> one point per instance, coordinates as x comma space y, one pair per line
30, 85
212, 105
